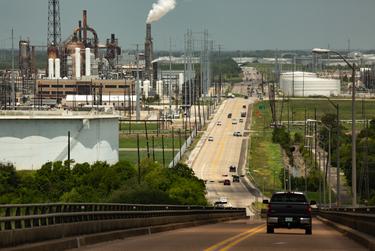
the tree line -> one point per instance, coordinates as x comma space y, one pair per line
101, 182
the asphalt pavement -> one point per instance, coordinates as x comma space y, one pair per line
215, 157
236, 235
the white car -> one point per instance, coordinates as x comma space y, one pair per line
237, 134
234, 122
218, 123
210, 138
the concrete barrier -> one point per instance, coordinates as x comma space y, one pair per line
75, 235
364, 223
365, 240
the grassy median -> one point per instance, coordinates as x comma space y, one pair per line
265, 158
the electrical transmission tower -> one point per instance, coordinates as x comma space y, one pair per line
54, 26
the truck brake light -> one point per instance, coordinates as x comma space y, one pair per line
308, 209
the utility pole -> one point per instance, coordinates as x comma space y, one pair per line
290, 178
220, 76
354, 143
13, 82
315, 140
329, 168
305, 145
170, 77
69, 148
338, 192
138, 89
138, 160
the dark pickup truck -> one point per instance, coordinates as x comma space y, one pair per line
289, 210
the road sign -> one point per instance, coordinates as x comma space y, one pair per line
262, 106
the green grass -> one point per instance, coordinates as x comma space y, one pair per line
125, 126
132, 156
265, 163
297, 107
265, 158
130, 141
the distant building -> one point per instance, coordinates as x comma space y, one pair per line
59, 89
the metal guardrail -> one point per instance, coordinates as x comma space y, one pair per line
26, 216
356, 210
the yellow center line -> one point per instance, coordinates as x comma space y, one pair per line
234, 238
236, 241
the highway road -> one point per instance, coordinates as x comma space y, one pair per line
214, 158
236, 235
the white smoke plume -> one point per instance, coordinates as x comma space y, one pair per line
160, 9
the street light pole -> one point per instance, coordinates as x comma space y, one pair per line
354, 143
354, 136
338, 195
137, 89
329, 166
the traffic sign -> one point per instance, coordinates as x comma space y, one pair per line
262, 106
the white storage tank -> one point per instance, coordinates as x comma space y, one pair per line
29, 142
308, 84
51, 69
87, 62
181, 80
159, 88
78, 63
57, 68
146, 88
69, 64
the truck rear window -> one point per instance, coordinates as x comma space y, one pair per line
288, 197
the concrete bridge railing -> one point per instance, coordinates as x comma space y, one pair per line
30, 223
361, 219
356, 223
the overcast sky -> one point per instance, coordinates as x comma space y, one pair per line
236, 24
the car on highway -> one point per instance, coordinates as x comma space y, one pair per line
226, 182
235, 179
289, 210
237, 134
219, 123
210, 138
232, 169
219, 204
234, 122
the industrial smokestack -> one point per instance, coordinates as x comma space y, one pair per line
85, 27
160, 9
80, 30
148, 53
113, 38
148, 31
